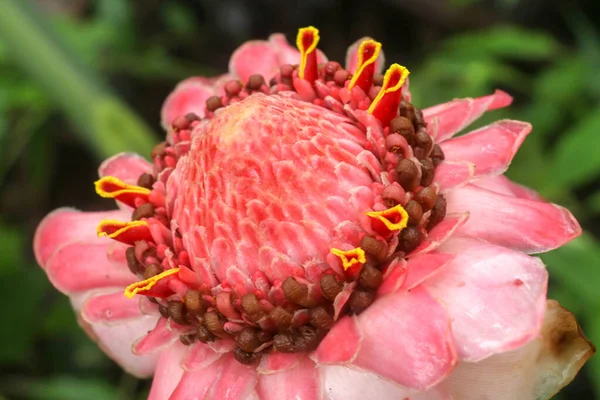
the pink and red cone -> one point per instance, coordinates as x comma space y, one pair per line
272, 183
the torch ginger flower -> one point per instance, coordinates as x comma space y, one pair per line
305, 232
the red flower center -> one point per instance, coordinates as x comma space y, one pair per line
280, 211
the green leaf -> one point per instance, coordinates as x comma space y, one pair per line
64, 388
11, 244
576, 265
576, 158
506, 41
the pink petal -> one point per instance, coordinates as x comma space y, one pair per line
301, 382
451, 175
501, 184
346, 383
423, 267
155, 338
235, 382
457, 114
341, 344
441, 232
80, 266
66, 225
197, 383
277, 362
495, 296
110, 308
255, 57
126, 166
407, 339
394, 277
525, 225
189, 96
199, 356
168, 371
535, 371
115, 340
352, 57
287, 54
490, 148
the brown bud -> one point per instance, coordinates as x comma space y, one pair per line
244, 357
427, 172
378, 249
233, 88
134, 265
146, 180
180, 123
188, 338
247, 339
255, 82
281, 318
378, 79
158, 150
213, 103
438, 212
146, 210
426, 198
163, 310
370, 277
152, 270
414, 211
193, 301
410, 238
418, 119
192, 117
320, 318
424, 142
204, 334
297, 293
177, 312
407, 110
359, 300
407, 174
437, 155
214, 324
330, 286
404, 127
251, 307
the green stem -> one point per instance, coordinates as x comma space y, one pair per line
103, 121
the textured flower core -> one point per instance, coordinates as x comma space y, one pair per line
284, 207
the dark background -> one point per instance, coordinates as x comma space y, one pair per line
83, 79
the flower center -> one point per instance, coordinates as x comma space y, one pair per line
285, 207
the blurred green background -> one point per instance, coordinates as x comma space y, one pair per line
83, 79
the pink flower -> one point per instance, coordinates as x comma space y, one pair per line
306, 232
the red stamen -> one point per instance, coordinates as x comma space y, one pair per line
126, 232
307, 41
350, 258
386, 222
385, 106
149, 286
368, 51
113, 188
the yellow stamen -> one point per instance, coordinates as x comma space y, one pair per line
111, 187
307, 41
350, 257
147, 284
368, 51
393, 80
112, 228
397, 213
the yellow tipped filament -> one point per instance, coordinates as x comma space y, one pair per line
307, 41
350, 257
394, 219
147, 284
368, 51
393, 80
111, 187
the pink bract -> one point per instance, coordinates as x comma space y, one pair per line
271, 183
